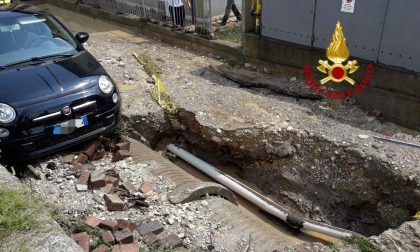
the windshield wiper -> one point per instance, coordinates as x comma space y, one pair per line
37, 60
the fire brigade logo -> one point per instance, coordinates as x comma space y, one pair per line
338, 53
338, 71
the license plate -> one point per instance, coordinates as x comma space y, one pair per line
70, 126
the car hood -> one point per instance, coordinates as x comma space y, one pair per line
33, 84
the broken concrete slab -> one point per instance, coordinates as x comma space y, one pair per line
114, 203
97, 179
151, 227
193, 191
124, 236
150, 239
128, 186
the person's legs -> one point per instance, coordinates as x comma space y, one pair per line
182, 15
171, 10
227, 11
236, 11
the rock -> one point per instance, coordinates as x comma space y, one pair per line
52, 165
83, 240
363, 136
204, 203
124, 236
151, 227
98, 155
123, 224
216, 233
172, 240
376, 113
146, 187
82, 159
92, 221
128, 186
84, 177
120, 155
126, 248
150, 239
108, 189
68, 159
404, 238
123, 146
91, 148
282, 151
81, 188
108, 225
102, 248
113, 202
170, 221
108, 237
97, 179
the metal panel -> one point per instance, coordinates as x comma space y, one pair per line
362, 29
288, 20
401, 37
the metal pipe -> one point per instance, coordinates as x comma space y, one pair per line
247, 194
397, 142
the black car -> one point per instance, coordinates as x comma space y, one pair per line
53, 93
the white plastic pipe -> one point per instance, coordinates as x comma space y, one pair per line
245, 193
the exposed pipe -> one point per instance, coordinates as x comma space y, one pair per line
249, 195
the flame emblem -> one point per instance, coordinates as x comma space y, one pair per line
338, 53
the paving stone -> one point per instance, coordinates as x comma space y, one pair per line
146, 187
150, 238
108, 225
92, 221
97, 179
82, 159
91, 147
123, 146
124, 236
114, 203
108, 237
171, 240
123, 224
102, 248
81, 188
120, 155
84, 177
126, 248
151, 227
108, 189
83, 240
128, 186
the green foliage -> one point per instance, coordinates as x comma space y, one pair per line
363, 244
333, 247
230, 33
18, 211
148, 248
100, 242
417, 216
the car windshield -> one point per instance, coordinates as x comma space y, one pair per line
27, 36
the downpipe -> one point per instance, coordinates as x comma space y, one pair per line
294, 221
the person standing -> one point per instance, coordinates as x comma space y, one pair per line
231, 6
177, 11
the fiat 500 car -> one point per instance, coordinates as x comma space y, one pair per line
53, 93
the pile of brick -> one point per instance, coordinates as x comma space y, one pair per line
118, 236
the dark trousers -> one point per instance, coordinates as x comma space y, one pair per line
231, 6
177, 15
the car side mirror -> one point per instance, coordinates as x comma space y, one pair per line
82, 37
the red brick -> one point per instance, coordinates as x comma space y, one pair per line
102, 248
82, 159
123, 224
92, 221
108, 237
120, 155
114, 203
146, 187
109, 188
109, 225
91, 147
126, 248
83, 240
123, 146
97, 179
84, 177
124, 236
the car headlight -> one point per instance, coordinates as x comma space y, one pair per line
105, 84
7, 113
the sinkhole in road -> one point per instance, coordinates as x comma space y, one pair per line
337, 185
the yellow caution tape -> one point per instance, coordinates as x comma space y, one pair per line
417, 216
159, 92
